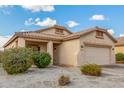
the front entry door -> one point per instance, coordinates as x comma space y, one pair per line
55, 55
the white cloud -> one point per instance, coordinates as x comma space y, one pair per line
97, 17
37, 19
121, 35
6, 12
29, 21
46, 22
5, 9
111, 31
39, 8
72, 24
3, 40
22, 30
5, 6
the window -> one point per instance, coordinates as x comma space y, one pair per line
35, 48
99, 34
59, 31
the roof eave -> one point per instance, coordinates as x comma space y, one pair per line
10, 40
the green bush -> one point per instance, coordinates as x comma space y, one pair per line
41, 60
91, 69
17, 60
63, 80
119, 57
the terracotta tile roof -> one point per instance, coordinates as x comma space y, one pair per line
86, 31
120, 41
34, 35
37, 35
53, 27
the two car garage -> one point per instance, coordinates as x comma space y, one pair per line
98, 55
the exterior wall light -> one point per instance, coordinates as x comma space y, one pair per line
113, 48
82, 46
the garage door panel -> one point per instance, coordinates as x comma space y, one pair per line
97, 55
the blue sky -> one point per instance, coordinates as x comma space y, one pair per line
12, 18
74, 17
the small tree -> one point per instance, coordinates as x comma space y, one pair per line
17, 60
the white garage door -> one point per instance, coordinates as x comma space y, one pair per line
97, 55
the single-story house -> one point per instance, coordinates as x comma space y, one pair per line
94, 45
119, 46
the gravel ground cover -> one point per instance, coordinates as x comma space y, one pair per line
112, 76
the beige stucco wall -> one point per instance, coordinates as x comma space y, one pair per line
43, 47
51, 31
12, 45
19, 42
91, 37
50, 50
119, 49
67, 52
66, 33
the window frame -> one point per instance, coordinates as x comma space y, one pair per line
59, 31
99, 34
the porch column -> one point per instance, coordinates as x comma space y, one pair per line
50, 50
21, 42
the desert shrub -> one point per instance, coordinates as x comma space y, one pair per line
63, 80
119, 57
17, 60
91, 69
41, 60
1, 54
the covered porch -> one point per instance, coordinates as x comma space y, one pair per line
49, 46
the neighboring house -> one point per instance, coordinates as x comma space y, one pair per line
94, 45
119, 46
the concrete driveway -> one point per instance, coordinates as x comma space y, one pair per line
112, 76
